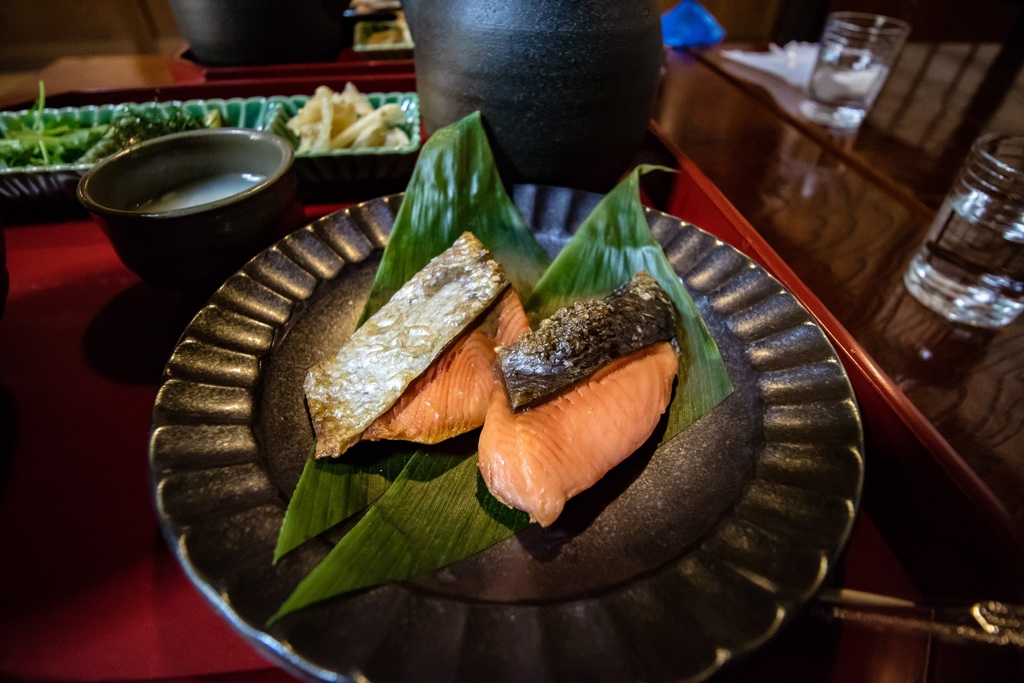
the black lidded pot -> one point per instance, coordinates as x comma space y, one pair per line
253, 32
566, 87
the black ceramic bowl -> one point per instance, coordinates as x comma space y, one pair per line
184, 211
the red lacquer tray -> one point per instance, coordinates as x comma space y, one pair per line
370, 81
186, 69
82, 344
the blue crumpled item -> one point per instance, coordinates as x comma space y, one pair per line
688, 24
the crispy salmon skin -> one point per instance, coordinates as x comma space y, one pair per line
397, 344
576, 397
578, 340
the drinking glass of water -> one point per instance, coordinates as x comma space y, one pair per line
970, 268
856, 53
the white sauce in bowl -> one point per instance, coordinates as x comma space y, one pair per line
201, 191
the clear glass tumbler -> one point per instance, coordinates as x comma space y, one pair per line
856, 53
970, 268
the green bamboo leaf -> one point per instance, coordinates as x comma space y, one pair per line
437, 512
331, 491
612, 244
454, 188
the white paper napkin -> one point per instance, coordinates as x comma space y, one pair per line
792, 63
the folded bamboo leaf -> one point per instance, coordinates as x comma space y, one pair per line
454, 188
331, 491
612, 244
437, 512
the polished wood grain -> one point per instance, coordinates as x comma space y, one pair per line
846, 216
846, 212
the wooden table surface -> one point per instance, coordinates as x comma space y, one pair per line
847, 211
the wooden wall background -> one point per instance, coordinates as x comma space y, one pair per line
34, 33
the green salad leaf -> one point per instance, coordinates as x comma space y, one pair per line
43, 137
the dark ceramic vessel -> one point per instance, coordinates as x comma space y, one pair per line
248, 32
678, 562
566, 87
193, 248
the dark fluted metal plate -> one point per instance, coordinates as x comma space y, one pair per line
681, 559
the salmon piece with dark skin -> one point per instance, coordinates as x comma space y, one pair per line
537, 458
451, 397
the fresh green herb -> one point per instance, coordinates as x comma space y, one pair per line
43, 137
139, 124
134, 124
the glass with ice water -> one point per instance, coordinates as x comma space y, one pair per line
970, 268
856, 53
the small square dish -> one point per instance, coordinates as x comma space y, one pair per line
330, 175
384, 37
23, 187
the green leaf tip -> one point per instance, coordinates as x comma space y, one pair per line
455, 188
436, 511
331, 491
